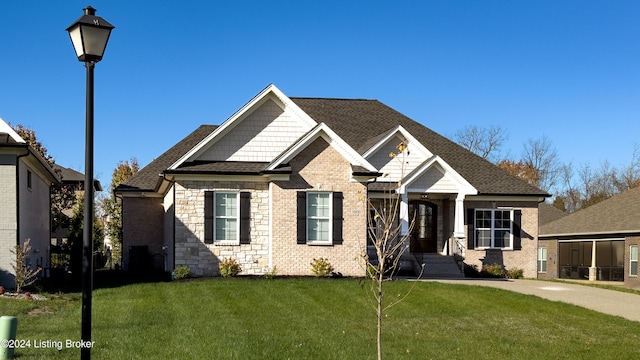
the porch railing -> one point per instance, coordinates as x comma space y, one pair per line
458, 250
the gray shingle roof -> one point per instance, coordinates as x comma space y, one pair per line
147, 178
358, 122
548, 213
616, 215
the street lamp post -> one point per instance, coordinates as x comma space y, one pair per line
89, 35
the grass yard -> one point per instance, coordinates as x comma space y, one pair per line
243, 318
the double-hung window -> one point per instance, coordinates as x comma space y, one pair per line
494, 228
542, 259
319, 217
226, 215
633, 260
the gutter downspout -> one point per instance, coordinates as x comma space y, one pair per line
18, 194
173, 225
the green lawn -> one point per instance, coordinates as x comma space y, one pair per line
245, 318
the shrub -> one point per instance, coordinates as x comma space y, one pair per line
514, 273
493, 270
181, 272
270, 273
321, 267
229, 267
24, 276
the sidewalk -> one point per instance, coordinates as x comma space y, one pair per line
610, 302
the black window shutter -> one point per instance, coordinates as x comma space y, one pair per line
301, 204
471, 229
517, 230
245, 217
338, 199
208, 217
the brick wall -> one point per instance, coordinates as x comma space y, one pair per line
630, 281
142, 225
318, 167
525, 258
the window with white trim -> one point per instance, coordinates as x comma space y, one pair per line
494, 228
633, 260
226, 217
542, 259
319, 217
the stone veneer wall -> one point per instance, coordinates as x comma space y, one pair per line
203, 259
319, 167
525, 258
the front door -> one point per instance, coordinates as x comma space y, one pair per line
425, 228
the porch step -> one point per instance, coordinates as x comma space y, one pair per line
438, 266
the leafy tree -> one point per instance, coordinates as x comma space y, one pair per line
76, 229
62, 196
485, 142
520, 169
112, 206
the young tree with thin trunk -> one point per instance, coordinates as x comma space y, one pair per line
389, 243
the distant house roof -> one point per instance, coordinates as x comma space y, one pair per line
616, 215
72, 177
358, 122
548, 213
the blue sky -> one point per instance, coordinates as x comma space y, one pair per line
568, 70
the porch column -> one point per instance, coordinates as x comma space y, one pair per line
404, 213
458, 218
593, 270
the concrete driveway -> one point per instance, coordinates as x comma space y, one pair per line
610, 302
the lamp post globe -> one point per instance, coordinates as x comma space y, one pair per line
89, 36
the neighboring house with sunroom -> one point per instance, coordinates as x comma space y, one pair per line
285, 180
596, 243
25, 182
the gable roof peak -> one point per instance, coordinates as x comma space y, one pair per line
7, 129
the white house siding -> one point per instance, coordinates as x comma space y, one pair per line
34, 215
394, 166
260, 137
8, 217
434, 180
203, 259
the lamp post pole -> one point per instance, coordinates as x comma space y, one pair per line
89, 36
87, 233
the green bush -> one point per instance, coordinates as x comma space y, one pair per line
514, 273
321, 267
493, 270
270, 273
229, 267
181, 272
